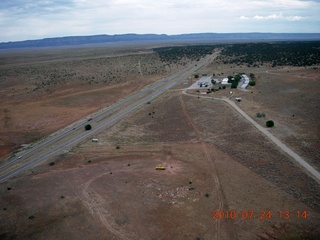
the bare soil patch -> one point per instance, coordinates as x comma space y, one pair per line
214, 159
287, 95
44, 91
117, 193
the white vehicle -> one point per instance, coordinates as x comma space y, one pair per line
94, 140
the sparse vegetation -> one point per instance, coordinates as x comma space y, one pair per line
169, 140
260, 114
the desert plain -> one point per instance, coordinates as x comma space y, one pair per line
223, 178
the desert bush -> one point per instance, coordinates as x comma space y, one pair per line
87, 127
260, 114
270, 123
51, 163
252, 83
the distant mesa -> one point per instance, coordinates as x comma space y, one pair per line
141, 38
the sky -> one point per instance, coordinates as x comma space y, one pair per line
37, 19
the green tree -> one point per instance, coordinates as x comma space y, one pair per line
252, 83
237, 78
270, 123
87, 127
234, 84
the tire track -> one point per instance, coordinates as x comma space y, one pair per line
94, 207
217, 183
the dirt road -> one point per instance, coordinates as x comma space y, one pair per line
310, 169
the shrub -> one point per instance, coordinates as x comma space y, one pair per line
270, 123
51, 163
117, 147
223, 87
87, 127
207, 195
252, 83
260, 114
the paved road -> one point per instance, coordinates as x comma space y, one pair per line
314, 173
65, 139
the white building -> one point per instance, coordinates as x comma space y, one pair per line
225, 81
245, 81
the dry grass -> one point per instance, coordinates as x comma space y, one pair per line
117, 193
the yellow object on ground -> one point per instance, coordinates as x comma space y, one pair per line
160, 168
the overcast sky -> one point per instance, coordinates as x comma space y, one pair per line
36, 19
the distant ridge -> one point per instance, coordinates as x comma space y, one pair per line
193, 37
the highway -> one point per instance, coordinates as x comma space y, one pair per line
65, 139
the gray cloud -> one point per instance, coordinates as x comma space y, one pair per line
32, 19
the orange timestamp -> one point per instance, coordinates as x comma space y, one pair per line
262, 214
